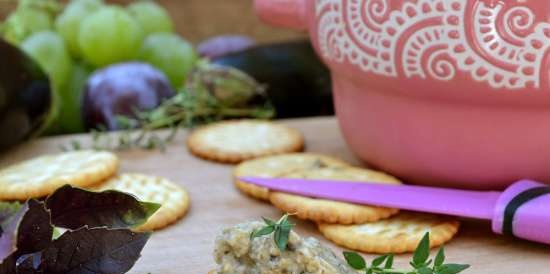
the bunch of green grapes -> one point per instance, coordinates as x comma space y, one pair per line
72, 41
105, 34
30, 16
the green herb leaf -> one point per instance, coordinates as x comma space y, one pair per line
355, 260
283, 220
424, 270
389, 262
280, 229
440, 257
420, 262
263, 231
379, 260
74, 208
282, 233
452, 268
422, 252
269, 221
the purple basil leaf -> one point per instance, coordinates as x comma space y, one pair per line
74, 208
87, 251
25, 231
7, 266
35, 230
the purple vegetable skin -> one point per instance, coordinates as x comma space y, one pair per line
224, 44
122, 89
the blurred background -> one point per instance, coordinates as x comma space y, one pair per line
76, 66
200, 19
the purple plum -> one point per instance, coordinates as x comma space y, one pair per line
122, 90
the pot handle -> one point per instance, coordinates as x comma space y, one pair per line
522, 211
282, 13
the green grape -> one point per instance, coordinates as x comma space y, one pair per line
70, 119
67, 23
171, 54
24, 22
48, 49
50, 6
88, 3
109, 35
152, 17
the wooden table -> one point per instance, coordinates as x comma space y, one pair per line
187, 246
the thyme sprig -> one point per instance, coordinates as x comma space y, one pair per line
143, 138
280, 229
420, 263
184, 110
211, 93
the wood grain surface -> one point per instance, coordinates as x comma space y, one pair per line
187, 246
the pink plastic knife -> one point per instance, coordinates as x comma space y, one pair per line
522, 210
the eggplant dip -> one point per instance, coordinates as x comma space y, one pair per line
237, 253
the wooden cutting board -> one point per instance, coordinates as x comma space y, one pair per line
187, 246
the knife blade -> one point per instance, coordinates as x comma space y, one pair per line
473, 204
521, 210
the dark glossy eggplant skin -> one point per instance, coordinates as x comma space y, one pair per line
298, 83
25, 96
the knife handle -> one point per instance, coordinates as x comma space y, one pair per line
523, 210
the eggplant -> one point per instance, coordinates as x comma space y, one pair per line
224, 44
298, 83
25, 96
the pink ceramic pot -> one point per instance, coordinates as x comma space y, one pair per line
440, 92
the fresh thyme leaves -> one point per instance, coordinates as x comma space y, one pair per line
280, 229
420, 262
212, 93
143, 138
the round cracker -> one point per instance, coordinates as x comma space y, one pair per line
278, 166
399, 234
42, 175
322, 210
236, 141
173, 198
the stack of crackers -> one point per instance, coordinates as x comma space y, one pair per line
269, 150
97, 171
365, 228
